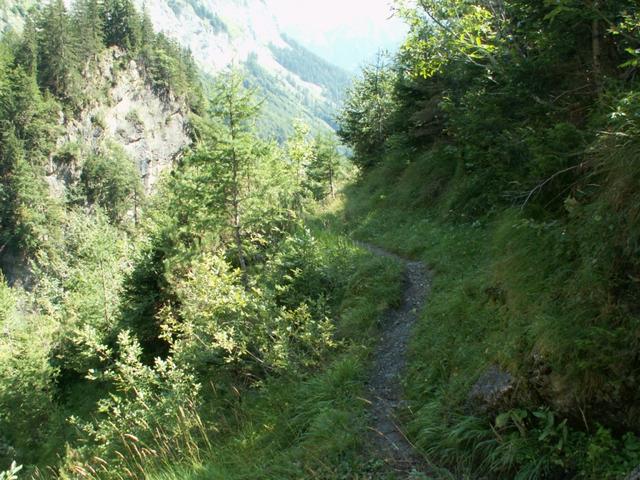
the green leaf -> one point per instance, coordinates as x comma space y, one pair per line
503, 420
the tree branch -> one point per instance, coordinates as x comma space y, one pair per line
541, 185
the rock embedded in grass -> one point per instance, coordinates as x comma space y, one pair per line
492, 392
635, 475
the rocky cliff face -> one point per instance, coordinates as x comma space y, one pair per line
151, 129
295, 83
218, 32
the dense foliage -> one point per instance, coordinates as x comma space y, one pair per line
222, 328
130, 323
504, 151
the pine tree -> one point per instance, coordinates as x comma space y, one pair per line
300, 152
122, 25
57, 51
146, 29
324, 165
365, 115
23, 196
236, 108
90, 27
27, 50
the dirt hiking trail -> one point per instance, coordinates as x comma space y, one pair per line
388, 440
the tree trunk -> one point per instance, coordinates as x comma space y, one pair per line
235, 197
238, 238
236, 222
331, 188
105, 300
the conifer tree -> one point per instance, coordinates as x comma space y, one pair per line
90, 26
324, 165
122, 26
218, 188
300, 153
57, 51
27, 50
23, 195
236, 108
146, 29
365, 115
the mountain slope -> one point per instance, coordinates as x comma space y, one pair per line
295, 82
12, 13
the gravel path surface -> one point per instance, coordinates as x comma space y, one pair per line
388, 440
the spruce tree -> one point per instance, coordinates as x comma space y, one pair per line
27, 50
300, 152
57, 51
324, 165
236, 107
147, 34
89, 23
122, 25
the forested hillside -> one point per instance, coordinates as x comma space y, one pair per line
501, 147
222, 32
195, 286
293, 82
149, 237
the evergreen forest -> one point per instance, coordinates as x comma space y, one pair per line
459, 261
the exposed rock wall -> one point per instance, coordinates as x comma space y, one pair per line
125, 110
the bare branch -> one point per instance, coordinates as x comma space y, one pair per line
541, 185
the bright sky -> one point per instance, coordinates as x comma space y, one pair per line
345, 32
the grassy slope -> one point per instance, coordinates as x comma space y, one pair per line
494, 301
312, 427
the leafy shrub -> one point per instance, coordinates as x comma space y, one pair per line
151, 417
86, 285
219, 322
27, 377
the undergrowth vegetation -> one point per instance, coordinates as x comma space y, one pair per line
310, 424
500, 148
175, 331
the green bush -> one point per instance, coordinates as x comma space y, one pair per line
150, 418
27, 377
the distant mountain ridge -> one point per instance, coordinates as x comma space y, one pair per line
296, 83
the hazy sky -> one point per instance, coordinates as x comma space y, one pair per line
345, 32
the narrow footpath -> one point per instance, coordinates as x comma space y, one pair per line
388, 440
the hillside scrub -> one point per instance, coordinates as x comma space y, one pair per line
507, 163
132, 326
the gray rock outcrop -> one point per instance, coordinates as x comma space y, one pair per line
151, 129
492, 391
635, 475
